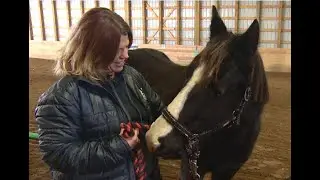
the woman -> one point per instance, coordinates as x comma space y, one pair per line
79, 116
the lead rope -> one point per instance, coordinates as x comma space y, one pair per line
138, 156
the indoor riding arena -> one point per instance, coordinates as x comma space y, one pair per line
180, 29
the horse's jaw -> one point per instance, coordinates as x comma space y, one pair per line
161, 128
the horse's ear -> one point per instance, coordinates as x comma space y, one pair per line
251, 36
217, 25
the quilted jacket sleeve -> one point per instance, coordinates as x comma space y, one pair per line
58, 118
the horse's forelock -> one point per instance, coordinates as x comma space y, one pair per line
212, 57
216, 52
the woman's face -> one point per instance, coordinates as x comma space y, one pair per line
119, 61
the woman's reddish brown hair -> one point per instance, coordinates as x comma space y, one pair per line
92, 44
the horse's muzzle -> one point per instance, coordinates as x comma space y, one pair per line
152, 147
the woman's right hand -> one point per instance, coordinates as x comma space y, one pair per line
132, 141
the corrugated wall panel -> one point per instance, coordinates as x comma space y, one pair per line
35, 17
75, 11
249, 11
88, 4
119, 7
170, 22
137, 22
153, 22
205, 21
48, 14
274, 17
286, 36
63, 22
105, 3
187, 22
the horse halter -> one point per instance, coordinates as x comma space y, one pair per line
192, 148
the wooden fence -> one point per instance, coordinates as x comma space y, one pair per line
275, 59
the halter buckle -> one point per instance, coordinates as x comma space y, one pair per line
247, 94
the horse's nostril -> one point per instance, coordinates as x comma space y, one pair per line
152, 147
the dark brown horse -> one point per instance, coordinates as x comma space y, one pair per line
218, 98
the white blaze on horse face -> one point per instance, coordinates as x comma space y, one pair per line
161, 127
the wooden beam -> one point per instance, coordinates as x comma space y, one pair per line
178, 29
127, 8
161, 36
280, 20
82, 7
244, 6
97, 3
197, 12
236, 19
259, 11
43, 27
55, 20
232, 18
144, 22
274, 59
217, 6
112, 5
30, 26
69, 14
258, 15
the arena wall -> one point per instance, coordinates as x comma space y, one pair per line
170, 23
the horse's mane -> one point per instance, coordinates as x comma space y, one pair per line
259, 80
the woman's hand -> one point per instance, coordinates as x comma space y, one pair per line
133, 140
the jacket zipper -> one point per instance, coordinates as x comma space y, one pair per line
139, 93
131, 102
120, 102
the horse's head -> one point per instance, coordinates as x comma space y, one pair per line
225, 68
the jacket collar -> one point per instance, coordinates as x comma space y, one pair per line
124, 72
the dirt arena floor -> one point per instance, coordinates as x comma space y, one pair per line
271, 159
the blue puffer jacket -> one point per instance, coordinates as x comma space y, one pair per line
79, 128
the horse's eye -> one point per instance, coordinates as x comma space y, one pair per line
218, 93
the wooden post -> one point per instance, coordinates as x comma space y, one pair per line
259, 11
69, 13
30, 26
161, 22
236, 20
55, 20
43, 30
97, 3
127, 8
218, 5
178, 29
82, 7
144, 22
280, 20
197, 12
112, 5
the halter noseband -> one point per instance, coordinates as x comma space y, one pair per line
192, 148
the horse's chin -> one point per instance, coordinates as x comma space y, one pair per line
152, 143
165, 153
159, 128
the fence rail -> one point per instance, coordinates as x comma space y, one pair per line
274, 59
